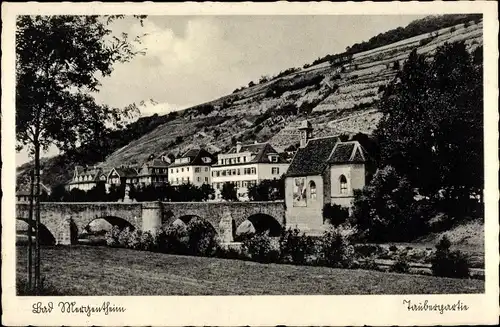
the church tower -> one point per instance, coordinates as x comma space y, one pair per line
305, 132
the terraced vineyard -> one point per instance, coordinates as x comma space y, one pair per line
335, 98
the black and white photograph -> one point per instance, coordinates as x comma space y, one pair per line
248, 155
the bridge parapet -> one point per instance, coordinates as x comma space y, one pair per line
148, 216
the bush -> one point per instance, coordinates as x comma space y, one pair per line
134, 239
202, 237
124, 237
260, 249
112, 235
148, 241
401, 265
229, 253
173, 239
446, 263
336, 249
393, 248
369, 264
367, 250
295, 248
335, 214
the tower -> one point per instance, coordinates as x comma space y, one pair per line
305, 132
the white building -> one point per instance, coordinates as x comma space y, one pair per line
153, 172
121, 176
246, 165
85, 178
193, 167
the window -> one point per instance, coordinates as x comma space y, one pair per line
187, 169
197, 170
244, 159
188, 180
182, 179
182, 169
239, 172
206, 168
198, 178
238, 159
206, 179
275, 170
312, 190
253, 171
177, 180
177, 170
343, 184
234, 171
218, 174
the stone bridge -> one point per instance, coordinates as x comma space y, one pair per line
65, 220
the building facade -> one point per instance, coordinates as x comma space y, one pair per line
153, 172
323, 171
86, 178
119, 176
192, 167
246, 165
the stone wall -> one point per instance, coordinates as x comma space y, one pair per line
64, 219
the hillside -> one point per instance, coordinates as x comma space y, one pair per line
338, 97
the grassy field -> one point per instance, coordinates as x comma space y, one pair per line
91, 270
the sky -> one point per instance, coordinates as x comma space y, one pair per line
193, 59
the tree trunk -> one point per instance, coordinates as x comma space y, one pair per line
37, 218
30, 235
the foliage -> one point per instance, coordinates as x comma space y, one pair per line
281, 86
417, 27
148, 241
112, 236
124, 237
268, 190
432, 128
260, 249
448, 263
401, 265
335, 214
134, 239
202, 237
228, 192
173, 239
385, 209
336, 249
295, 247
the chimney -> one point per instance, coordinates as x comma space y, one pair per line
238, 147
305, 133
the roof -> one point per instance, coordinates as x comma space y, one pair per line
347, 152
156, 163
124, 171
312, 159
260, 151
195, 156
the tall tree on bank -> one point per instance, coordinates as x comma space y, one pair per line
59, 60
432, 129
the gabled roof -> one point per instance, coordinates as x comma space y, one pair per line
312, 159
195, 158
156, 163
94, 172
347, 152
124, 172
260, 152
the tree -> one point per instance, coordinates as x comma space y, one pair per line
432, 128
228, 192
207, 192
268, 190
58, 62
58, 193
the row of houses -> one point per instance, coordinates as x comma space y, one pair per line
322, 171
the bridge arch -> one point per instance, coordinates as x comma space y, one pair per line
259, 223
47, 236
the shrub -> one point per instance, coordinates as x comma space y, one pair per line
401, 265
148, 241
112, 236
336, 249
202, 237
124, 237
229, 253
369, 264
446, 263
335, 214
367, 250
295, 248
260, 249
393, 248
134, 239
174, 239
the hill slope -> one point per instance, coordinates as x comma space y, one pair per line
338, 97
